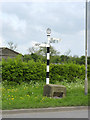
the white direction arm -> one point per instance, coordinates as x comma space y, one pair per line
53, 40
41, 45
36, 44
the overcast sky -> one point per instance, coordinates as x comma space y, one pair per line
25, 23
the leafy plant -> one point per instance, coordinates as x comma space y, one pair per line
18, 71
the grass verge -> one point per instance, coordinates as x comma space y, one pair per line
31, 96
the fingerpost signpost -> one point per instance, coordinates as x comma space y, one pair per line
51, 90
47, 45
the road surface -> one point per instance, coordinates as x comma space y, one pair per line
58, 114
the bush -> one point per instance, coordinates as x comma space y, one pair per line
18, 71
69, 72
0, 71
12, 69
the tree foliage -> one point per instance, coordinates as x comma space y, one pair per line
12, 46
43, 50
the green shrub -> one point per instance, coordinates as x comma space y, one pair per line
18, 71
12, 69
69, 72
89, 71
34, 71
0, 71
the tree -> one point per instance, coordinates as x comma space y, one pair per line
53, 52
43, 50
12, 46
67, 52
32, 50
27, 57
34, 57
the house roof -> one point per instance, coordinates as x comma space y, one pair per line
10, 50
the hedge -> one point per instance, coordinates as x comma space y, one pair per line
69, 72
16, 70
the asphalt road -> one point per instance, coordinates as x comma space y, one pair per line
58, 114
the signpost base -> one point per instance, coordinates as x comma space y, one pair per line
51, 90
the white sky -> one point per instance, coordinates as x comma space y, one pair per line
26, 22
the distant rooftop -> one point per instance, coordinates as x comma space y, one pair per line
2, 48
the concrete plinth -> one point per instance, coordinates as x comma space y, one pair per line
51, 90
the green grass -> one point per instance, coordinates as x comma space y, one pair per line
31, 96
0, 96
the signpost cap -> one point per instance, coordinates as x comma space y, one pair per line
48, 31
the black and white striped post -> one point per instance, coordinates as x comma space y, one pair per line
48, 55
47, 45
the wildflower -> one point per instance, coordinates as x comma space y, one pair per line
43, 98
28, 95
12, 98
8, 95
